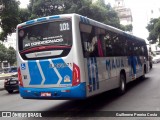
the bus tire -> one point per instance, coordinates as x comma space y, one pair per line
122, 87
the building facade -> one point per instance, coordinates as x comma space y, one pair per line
124, 14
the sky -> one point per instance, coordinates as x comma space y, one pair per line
139, 9
24, 3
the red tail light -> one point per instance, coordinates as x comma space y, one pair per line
20, 77
76, 75
19, 27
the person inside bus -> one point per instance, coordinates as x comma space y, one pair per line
94, 49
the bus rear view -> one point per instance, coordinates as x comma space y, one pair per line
45, 58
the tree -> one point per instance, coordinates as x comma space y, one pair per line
13, 15
104, 13
154, 30
39, 8
8, 55
9, 17
11, 55
24, 15
111, 17
3, 53
128, 28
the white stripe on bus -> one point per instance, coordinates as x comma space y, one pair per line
41, 72
58, 74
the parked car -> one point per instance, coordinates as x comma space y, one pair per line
11, 83
12, 69
156, 59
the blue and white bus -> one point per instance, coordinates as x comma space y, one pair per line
73, 57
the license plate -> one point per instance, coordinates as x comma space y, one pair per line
12, 82
45, 94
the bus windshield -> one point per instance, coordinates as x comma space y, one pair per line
57, 33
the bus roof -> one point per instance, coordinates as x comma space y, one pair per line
84, 19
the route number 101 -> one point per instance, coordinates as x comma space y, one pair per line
64, 26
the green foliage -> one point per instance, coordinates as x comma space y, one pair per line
39, 8
13, 15
9, 17
128, 28
24, 15
7, 54
98, 11
3, 53
11, 55
154, 30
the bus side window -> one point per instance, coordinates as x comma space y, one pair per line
90, 47
108, 45
103, 44
85, 44
85, 38
130, 48
94, 49
100, 32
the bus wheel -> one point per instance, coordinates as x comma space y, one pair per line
122, 87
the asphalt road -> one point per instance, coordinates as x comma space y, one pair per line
141, 95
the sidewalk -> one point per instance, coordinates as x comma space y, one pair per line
3, 76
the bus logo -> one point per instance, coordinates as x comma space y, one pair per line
67, 79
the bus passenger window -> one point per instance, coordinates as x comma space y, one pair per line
85, 37
94, 47
85, 44
89, 41
108, 45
